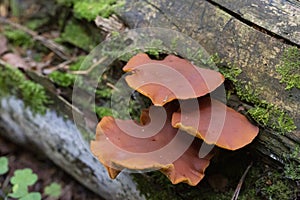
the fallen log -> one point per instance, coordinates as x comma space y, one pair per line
246, 42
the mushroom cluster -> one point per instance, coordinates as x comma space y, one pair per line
169, 126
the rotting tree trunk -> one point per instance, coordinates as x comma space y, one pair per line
249, 34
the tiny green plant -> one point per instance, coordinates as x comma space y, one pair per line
3, 165
22, 179
53, 190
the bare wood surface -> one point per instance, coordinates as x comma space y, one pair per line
279, 17
253, 51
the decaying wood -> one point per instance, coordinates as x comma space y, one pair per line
60, 140
109, 24
253, 51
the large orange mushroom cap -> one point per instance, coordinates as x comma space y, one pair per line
117, 150
171, 78
216, 124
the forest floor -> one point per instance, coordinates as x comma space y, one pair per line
46, 171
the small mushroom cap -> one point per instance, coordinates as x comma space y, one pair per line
117, 150
189, 168
217, 124
171, 78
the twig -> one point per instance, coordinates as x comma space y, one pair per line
83, 72
65, 63
113, 87
238, 187
50, 44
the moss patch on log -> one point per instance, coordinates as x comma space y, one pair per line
264, 113
77, 34
289, 68
13, 82
269, 115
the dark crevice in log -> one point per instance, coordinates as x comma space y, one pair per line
253, 25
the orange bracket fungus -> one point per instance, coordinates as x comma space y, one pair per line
171, 78
218, 124
117, 149
169, 138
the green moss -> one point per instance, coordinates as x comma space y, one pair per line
103, 93
289, 68
292, 168
66, 79
76, 34
154, 48
18, 37
90, 9
13, 82
274, 186
264, 182
261, 182
270, 116
231, 73
103, 111
62, 78
65, 2
264, 113
77, 64
36, 23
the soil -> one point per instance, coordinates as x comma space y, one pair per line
47, 172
